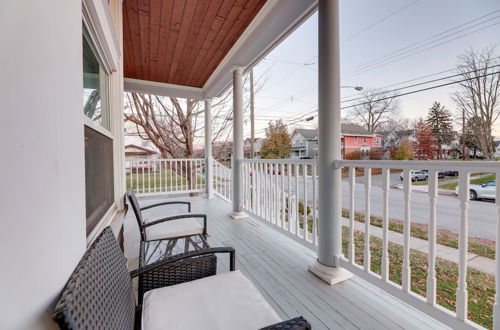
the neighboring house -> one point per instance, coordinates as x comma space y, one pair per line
393, 139
134, 152
354, 138
247, 147
497, 148
222, 150
304, 143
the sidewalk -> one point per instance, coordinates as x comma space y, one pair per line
474, 261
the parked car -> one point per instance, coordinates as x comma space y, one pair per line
441, 174
486, 190
416, 175
450, 173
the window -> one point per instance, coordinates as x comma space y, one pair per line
99, 181
355, 139
99, 190
376, 140
95, 85
364, 139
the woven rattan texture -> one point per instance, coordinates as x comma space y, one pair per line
176, 273
99, 293
298, 323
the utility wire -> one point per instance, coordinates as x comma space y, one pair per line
425, 42
379, 21
424, 83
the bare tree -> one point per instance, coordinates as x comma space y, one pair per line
375, 109
174, 125
478, 95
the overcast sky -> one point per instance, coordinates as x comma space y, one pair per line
371, 30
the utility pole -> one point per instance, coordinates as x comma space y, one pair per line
252, 117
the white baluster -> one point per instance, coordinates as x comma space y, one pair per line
431, 276
297, 200
367, 253
463, 196
290, 198
496, 305
304, 221
283, 200
406, 231
385, 225
315, 205
352, 188
154, 174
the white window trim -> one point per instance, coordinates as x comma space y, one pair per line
97, 127
105, 221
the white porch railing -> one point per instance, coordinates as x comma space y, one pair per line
222, 180
403, 290
284, 194
278, 191
165, 175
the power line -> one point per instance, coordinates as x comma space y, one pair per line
376, 66
379, 21
417, 45
424, 83
422, 90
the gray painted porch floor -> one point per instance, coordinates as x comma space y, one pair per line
277, 265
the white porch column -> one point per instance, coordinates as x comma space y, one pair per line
208, 150
237, 143
330, 209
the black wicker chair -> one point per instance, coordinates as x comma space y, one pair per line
144, 225
99, 293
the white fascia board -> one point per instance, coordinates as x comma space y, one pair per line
275, 21
97, 18
163, 89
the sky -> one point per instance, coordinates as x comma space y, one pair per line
372, 33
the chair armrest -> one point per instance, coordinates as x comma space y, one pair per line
180, 216
182, 256
298, 323
167, 203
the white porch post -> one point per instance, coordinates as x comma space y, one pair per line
237, 143
330, 225
208, 150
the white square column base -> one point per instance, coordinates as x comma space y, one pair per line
331, 275
238, 215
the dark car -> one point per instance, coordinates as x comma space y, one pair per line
450, 173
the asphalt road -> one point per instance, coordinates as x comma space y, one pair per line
482, 222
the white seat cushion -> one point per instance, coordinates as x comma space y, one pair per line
224, 301
174, 228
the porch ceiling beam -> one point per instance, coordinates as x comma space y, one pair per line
162, 89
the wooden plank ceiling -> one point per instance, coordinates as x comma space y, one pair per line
183, 41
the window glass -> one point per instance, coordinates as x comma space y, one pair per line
95, 85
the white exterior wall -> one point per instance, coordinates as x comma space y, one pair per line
43, 217
43, 195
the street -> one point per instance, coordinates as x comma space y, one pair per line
482, 221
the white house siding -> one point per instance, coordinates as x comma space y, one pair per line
43, 232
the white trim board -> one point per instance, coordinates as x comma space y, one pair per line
275, 21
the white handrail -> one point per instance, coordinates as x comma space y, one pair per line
276, 190
161, 176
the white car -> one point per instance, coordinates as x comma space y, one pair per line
416, 175
486, 190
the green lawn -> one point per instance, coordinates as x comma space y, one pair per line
481, 286
424, 183
481, 248
483, 179
153, 182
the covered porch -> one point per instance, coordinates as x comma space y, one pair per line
277, 265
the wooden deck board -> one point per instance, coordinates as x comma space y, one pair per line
277, 265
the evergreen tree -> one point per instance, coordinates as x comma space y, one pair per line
440, 121
277, 143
